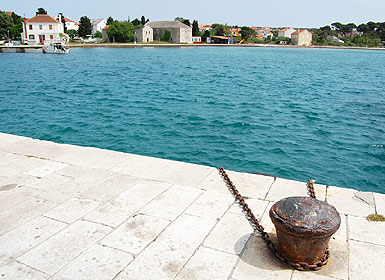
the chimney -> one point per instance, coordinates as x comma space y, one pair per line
25, 28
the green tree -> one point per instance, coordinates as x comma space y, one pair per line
195, 28
220, 29
85, 27
278, 40
110, 20
41, 11
136, 22
98, 34
337, 26
348, 28
246, 32
6, 24
72, 33
121, 31
143, 20
17, 28
205, 35
363, 28
381, 30
372, 26
366, 41
183, 20
166, 36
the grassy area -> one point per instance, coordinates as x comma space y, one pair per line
375, 218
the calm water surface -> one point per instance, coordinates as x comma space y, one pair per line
294, 113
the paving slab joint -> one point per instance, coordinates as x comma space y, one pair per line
267, 193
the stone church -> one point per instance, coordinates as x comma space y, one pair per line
154, 31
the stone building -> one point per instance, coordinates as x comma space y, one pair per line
145, 34
155, 30
302, 37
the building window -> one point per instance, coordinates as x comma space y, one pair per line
32, 37
51, 37
50, 27
30, 27
41, 27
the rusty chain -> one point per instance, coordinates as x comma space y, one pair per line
310, 188
254, 222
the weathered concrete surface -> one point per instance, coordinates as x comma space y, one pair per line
70, 212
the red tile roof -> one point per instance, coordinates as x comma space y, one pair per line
9, 13
296, 32
42, 19
105, 28
68, 20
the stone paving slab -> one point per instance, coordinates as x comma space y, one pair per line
8, 139
99, 261
346, 202
164, 258
119, 209
18, 241
70, 212
229, 235
170, 204
12, 194
135, 234
52, 255
257, 262
210, 204
360, 229
23, 212
366, 261
174, 172
17, 270
282, 188
208, 264
380, 203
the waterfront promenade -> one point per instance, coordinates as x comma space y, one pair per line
70, 212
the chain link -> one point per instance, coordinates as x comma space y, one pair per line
310, 188
265, 236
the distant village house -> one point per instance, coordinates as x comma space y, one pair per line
286, 32
302, 37
196, 39
155, 30
334, 39
70, 24
98, 25
42, 29
204, 27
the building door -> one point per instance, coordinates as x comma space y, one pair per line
41, 39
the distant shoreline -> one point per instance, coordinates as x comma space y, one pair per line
131, 45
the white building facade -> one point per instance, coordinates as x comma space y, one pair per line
42, 29
70, 24
265, 33
98, 25
286, 32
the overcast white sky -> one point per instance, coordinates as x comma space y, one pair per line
275, 13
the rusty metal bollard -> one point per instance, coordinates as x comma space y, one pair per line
304, 226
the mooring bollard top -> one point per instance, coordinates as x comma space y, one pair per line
305, 216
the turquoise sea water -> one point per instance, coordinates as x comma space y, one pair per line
293, 113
